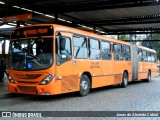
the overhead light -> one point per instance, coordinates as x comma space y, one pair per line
16, 6
49, 16
85, 27
61, 19
39, 13
27, 9
64, 20
100, 31
2, 2
68, 21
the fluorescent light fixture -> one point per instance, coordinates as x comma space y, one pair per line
61, 19
64, 20
2, 2
6, 26
16, 6
38, 13
79, 24
22, 8
68, 21
27, 9
85, 27
49, 16
100, 31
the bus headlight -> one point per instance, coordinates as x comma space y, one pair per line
11, 79
47, 80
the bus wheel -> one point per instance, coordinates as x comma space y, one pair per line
84, 85
149, 76
124, 80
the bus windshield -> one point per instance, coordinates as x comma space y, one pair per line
31, 54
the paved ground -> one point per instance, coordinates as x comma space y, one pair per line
138, 96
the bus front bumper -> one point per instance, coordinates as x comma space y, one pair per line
32, 89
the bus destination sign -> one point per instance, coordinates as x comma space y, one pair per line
35, 31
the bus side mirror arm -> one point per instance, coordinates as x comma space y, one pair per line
58, 41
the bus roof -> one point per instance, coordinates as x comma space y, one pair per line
145, 48
91, 34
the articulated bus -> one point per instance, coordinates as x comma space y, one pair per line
50, 59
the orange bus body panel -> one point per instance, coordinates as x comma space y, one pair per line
67, 75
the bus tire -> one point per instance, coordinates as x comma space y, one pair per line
149, 76
84, 85
124, 80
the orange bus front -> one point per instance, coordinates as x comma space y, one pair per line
31, 61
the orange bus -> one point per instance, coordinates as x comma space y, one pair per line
49, 59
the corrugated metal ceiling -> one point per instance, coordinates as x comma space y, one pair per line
108, 16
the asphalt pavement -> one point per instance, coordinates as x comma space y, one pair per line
138, 96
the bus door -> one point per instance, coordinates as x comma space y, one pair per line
134, 62
64, 66
107, 63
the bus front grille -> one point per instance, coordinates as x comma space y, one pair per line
27, 89
27, 76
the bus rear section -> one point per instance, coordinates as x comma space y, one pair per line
143, 63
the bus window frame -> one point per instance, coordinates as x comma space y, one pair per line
99, 43
115, 43
86, 39
110, 49
143, 50
140, 50
154, 57
56, 53
124, 45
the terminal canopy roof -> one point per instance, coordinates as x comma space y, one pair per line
101, 16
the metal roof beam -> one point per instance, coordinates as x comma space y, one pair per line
123, 21
88, 5
100, 5
133, 31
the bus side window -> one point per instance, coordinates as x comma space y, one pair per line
63, 50
140, 57
122, 52
153, 56
106, 50
128, 53
145, 58
94, 49
117, 52
80, 47
149, 57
